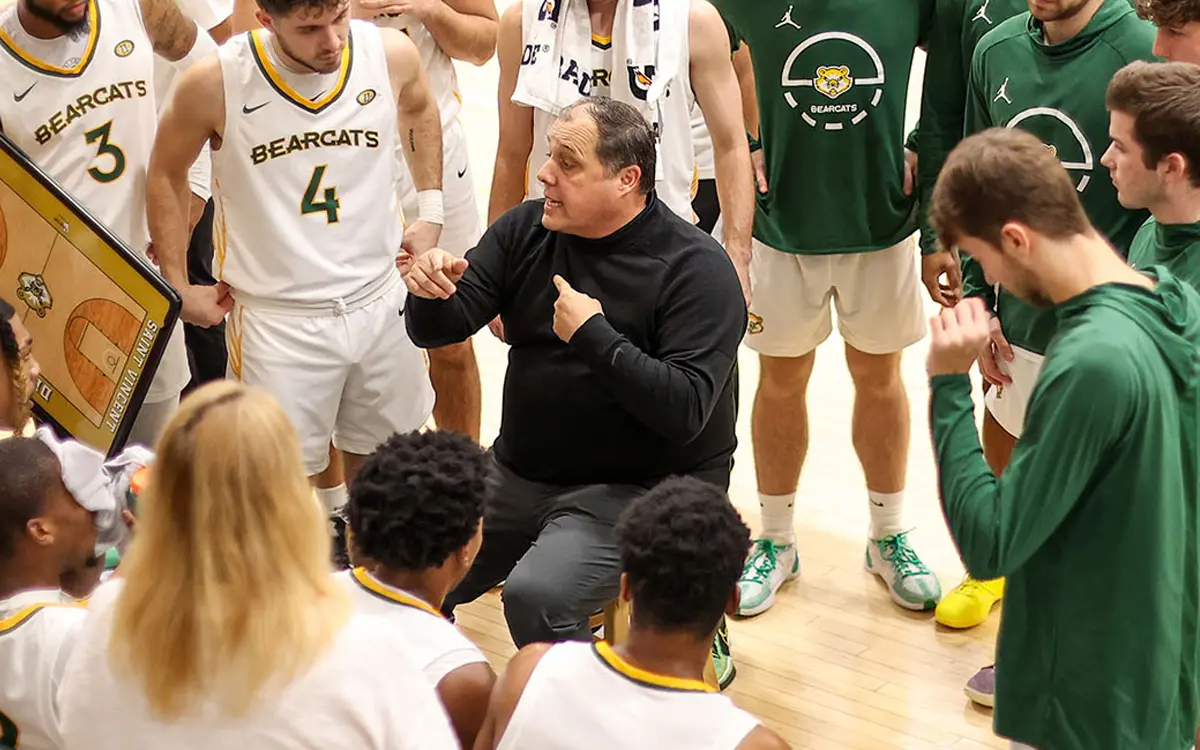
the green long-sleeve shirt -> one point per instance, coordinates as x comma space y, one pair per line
1094, 522
1176, 246
1057, 93
958, 26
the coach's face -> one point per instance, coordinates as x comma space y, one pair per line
1138, 186
1179, 45
1011, 263
313, 35
580, 194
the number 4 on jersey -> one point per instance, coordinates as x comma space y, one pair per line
329, 204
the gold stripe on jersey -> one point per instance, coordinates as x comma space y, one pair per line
39, 66
602, 42
364, 579
285, 90
22, 616
649, 679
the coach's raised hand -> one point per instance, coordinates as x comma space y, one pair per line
433, 274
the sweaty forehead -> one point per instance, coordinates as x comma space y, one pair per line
576, 132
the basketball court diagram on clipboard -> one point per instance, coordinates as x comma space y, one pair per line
99, 316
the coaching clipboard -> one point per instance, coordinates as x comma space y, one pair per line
99, 313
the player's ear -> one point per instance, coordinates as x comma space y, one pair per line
41, 530
734, 603
625, 594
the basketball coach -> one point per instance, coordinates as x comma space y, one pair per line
624, 323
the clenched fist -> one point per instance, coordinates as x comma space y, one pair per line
572, 309
957, 335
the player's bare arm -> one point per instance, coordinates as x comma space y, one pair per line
715, 84
507, 694
516, 122
420, 137
194, 114
743, 66
465, 693
464, 29
172, 34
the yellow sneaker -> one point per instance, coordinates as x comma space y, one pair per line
970, 603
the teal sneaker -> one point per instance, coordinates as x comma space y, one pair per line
767, 567
910, 583
722, 659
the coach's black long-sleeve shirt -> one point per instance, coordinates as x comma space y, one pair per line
646, 390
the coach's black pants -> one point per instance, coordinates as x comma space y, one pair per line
205, 346
554, 549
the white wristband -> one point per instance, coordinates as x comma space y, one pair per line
429, 207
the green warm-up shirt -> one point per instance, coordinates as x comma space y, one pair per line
832, 80
1094, 522
958, 26
1057, 93
1176, 246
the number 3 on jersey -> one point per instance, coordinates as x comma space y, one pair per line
105, 148
329, 204
8, 733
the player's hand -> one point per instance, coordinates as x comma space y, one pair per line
743, 273
420, 237
572, 309
206, 306
433, 274
910, 171
957, 336
997, 347
404, 261
497, 327
759, 162
933, 267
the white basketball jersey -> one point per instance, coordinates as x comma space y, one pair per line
583, 697
675, 171
439, 68
37, 631
438, 646
304, 180
83, 110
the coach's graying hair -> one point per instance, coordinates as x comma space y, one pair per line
626, 139
1004, 175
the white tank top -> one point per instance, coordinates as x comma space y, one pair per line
439, 68
83, 109
437, 645
583, 696
304, 180
676, 168
37, 630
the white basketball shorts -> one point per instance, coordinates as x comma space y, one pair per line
1008, 403
463, 225
349, 373
880, 308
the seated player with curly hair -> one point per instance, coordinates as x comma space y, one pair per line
681, 549
416, 523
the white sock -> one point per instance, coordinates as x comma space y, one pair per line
332, 498
886, 509
778, 517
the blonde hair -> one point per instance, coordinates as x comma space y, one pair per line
228, 589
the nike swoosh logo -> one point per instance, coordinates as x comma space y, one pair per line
248, 110
877, 505
23, 94
462, 172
